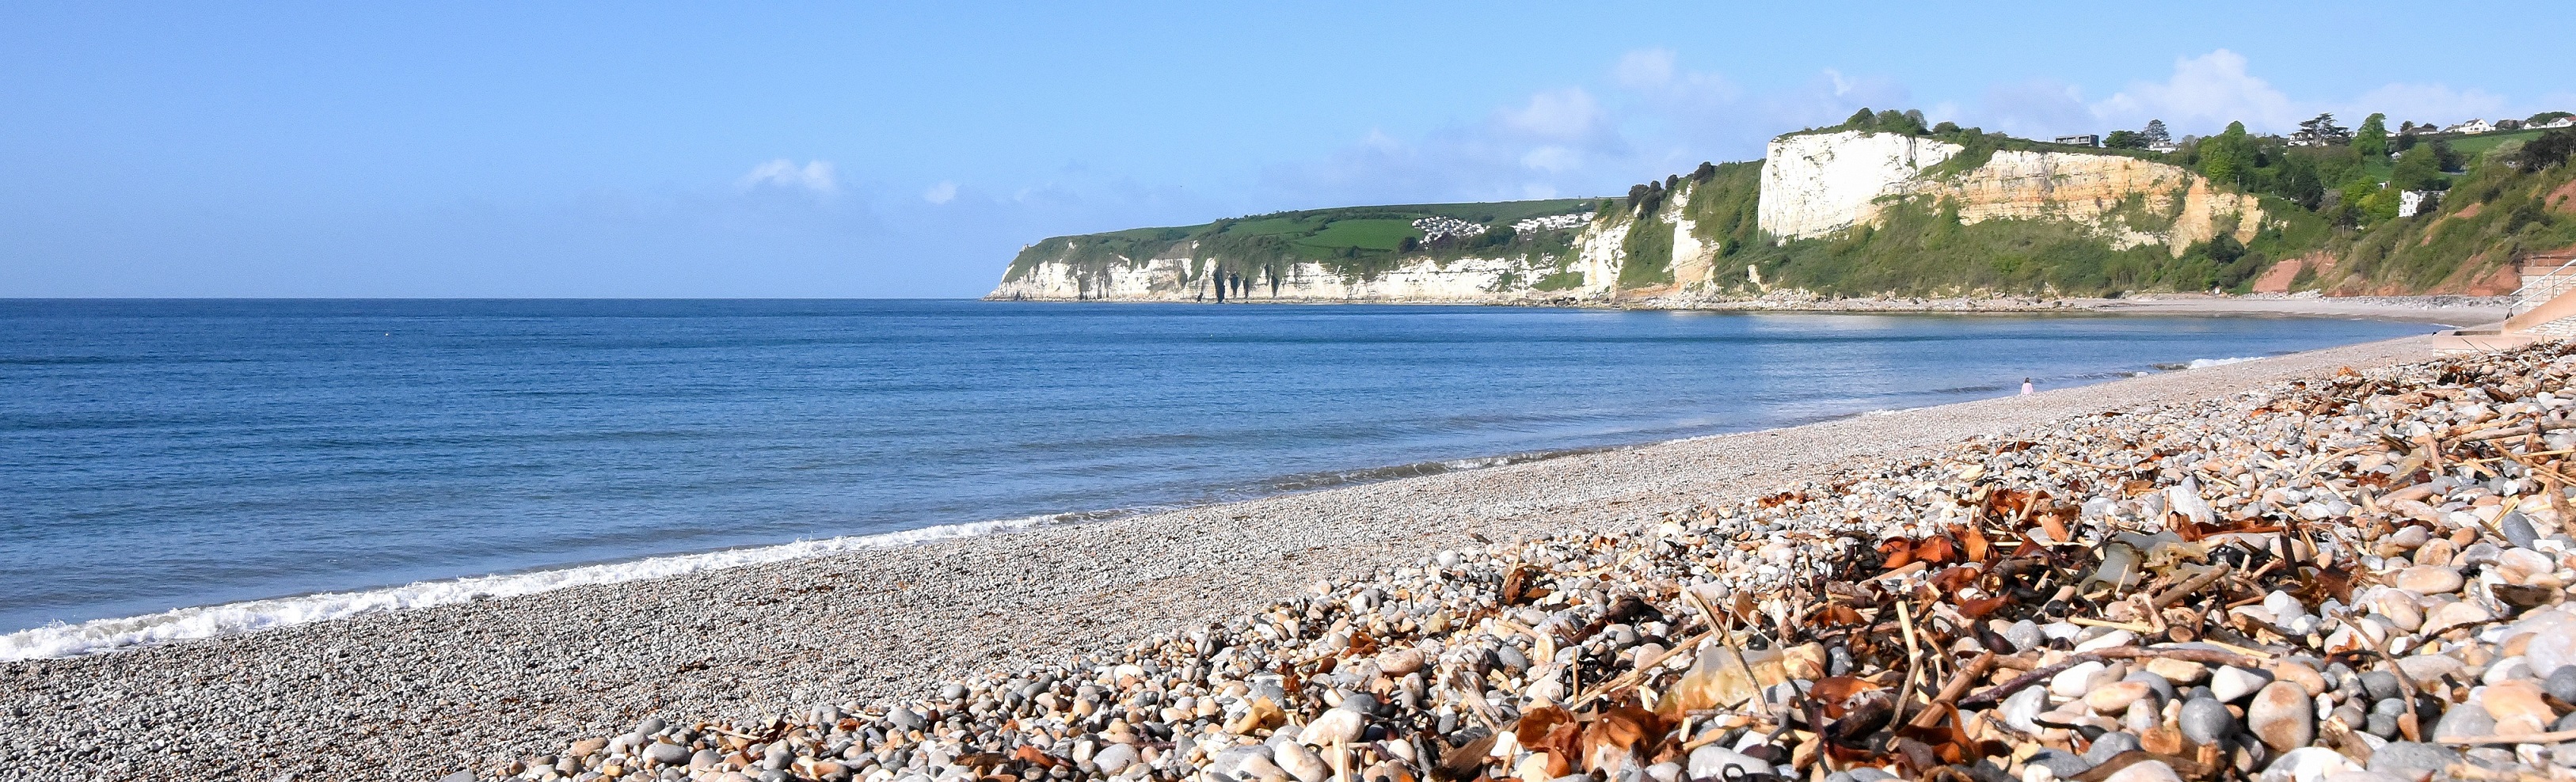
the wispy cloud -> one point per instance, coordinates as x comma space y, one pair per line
815, 176
2206, 92
941, 193
1650, 117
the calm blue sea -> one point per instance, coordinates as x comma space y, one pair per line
156, 455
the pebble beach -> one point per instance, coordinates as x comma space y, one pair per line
2195, 574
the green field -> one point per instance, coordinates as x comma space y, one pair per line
2475, 146
1365, 234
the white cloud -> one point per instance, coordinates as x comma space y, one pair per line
1552, 159
2203, 95
1557, 114
941, 193
1654, 118
2033, 109
1650, 115
815, 176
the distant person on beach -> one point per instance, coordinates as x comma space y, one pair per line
2025, 387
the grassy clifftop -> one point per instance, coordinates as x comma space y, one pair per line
1357, 241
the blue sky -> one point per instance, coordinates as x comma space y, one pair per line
834, 150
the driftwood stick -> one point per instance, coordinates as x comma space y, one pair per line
2551, 737
2176, 594
1958, 685
1998, 693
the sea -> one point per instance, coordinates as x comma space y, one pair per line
175, 469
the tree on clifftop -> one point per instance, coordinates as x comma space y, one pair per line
2372, 139
2550, 149
2323, 130
2125, 139
2228, 157
2155, 133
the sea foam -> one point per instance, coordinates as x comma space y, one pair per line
2205, 363
66, 640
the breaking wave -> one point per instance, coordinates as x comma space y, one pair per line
2205, 363
66, 640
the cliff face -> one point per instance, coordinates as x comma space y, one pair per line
1816, 184
1583, 263
1178, 277
1686, 237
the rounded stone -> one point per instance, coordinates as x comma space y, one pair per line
2383, 684
2232, 684
2283, 715
2517, 707
2428, 580
2061, 763
2382, 725
2517, 529
2145, 771
2410, 537
2163, 687
2521, 565
2104, 748
2206, 721
2116, 697
2024, 635
2307, 764
2561, 684
2077, 680
2458, 614
1293, 758
667, 754
2465, 721
1338, 724
2411, 760
2178, 672
1117, 757
1713, 761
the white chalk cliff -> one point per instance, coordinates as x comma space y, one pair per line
1816, 184
1812, 185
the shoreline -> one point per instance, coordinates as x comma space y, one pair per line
419, 694
199, 623
2455, 311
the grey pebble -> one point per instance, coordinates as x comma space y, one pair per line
2382, 725
2561, 683
2518, 529
2023, 635
905, 718
2063, 764
2103, 748
2381, 684
2466, 720
2205, 720
2411, 759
